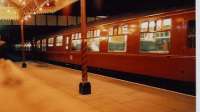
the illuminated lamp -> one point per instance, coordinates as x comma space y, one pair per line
29, 16
23, 3
40, 9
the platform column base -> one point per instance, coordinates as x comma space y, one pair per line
85, 88
24, 65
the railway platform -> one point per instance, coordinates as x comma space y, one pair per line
43, 87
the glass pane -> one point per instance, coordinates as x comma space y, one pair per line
93, 44
44, 45
38, 44
167, 24
152, 25
50, 42
59, 40
144, 26
98, 33
125, 29
76, 45
117, 43
155, 42
115, 31
158, 25
120, 30
110, 32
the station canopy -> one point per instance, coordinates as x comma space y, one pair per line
17, 9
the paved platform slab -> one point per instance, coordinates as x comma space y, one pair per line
51, 88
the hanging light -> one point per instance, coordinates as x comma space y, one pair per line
8, 10
23, 3
29, 16
40, 9
48, 4
26, 18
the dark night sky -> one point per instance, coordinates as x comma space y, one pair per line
115, 7
98, 8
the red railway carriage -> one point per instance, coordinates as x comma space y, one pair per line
157, 45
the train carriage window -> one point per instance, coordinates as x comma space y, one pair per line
50, 42
44, 45
158, 25
191, 35
76, 42
152, 26
59, 40
117, 43
115, 31
124, 29
38, 44
156, 41
110, 32
144, 26
93, 42
98, 33
167, 23
120, 30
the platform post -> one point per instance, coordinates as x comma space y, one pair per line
24, 65
84, 86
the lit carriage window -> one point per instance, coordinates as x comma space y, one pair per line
144, 26
50, 42
158, 25
119, 30
38, 44
44, 45
157, 42
191, 35
79, 35
59, 40
94, 41
93, 44
115, 31
110, 31
125, 29
167, 23
76, 42
95, 33
117, 43
98, 33
152, 25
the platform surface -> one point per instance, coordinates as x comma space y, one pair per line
50, 88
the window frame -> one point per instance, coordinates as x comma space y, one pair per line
157, 31
51, 44
59, 43
125, 36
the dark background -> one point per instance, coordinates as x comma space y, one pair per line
94, 8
